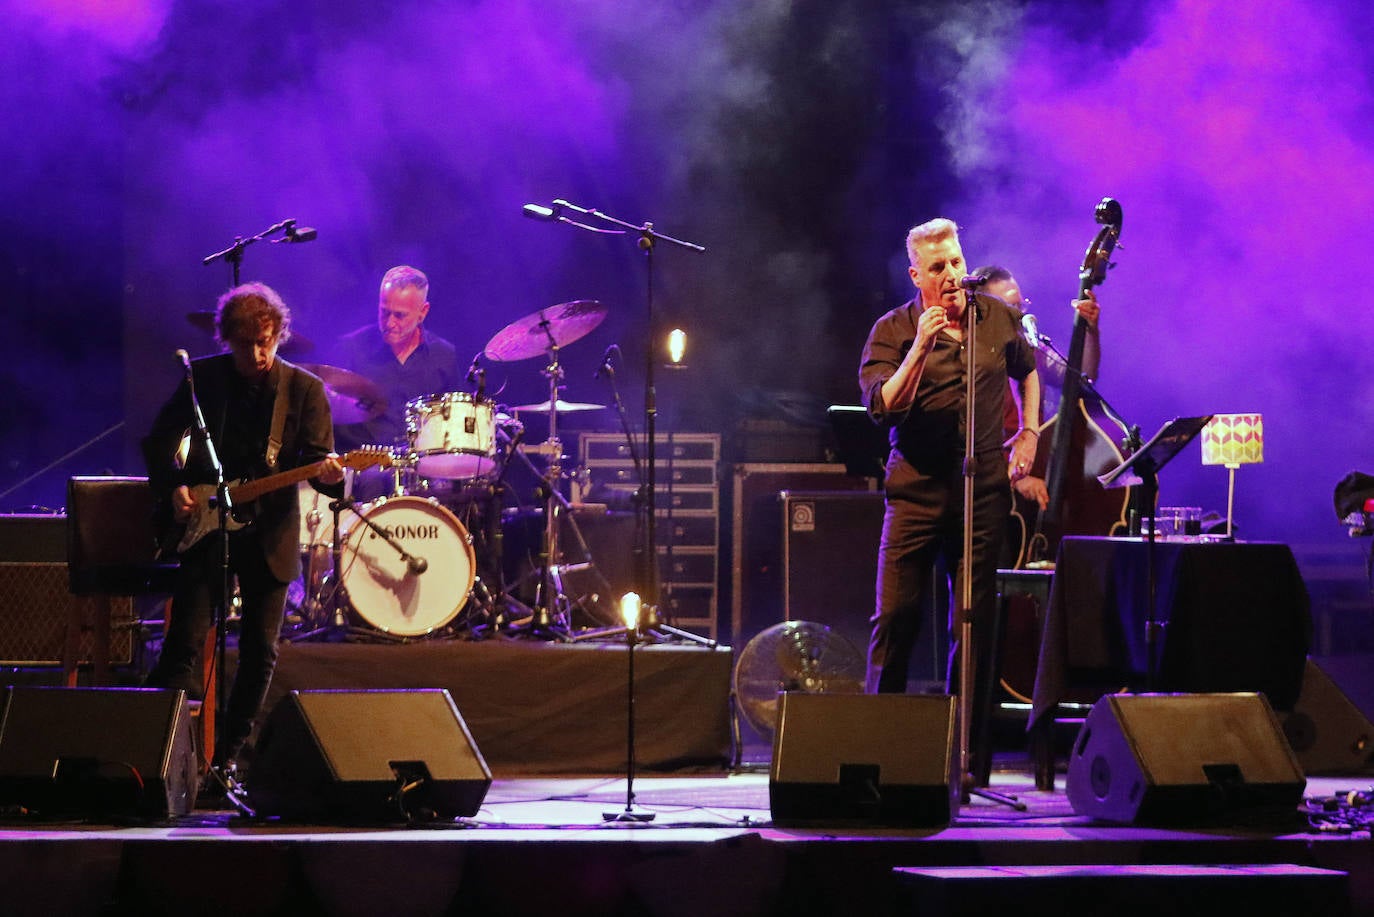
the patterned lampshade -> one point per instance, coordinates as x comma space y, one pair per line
1233, 439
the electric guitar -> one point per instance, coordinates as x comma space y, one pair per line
205, 516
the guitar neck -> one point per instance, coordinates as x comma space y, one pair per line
249, 491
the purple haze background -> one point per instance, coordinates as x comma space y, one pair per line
796, 141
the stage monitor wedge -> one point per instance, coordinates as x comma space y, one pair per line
863, 760
1166, 759
97, 752
381, 756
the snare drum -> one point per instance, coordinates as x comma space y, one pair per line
387, 592
452, 435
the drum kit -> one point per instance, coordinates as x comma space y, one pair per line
406, 565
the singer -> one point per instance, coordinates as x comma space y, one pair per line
250, 398
404, 358
911, 376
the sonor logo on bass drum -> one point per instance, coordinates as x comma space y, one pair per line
429, 532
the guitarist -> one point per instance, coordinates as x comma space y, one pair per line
238, 392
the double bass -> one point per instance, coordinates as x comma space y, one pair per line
1083, 435
1080, 434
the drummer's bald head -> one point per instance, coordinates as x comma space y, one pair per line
402, 276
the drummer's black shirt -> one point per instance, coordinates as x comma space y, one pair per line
432, 369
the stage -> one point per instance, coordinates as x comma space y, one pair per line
541, 846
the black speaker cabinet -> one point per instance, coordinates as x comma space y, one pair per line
863, 759
97, 751
1179, 758
1328, 731
367, 756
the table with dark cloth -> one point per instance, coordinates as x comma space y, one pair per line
1235, 617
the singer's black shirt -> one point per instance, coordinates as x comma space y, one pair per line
930, 434
431, 370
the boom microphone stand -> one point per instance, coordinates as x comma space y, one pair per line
648, 238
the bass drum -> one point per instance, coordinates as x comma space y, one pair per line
383, 589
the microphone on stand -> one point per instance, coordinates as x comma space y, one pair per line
185, 359
605, 369
973, 281
540, 212
416, 565
296, 233
1031, 330
478, 376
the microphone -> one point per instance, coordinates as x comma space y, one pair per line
973, 281
540, 212
296, 233
416, 565
185, 359
605, 369
478, 376
1031, 329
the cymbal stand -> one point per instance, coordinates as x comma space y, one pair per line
551, 615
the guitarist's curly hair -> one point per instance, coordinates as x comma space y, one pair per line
247, 310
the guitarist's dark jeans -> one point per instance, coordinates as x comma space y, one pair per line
263, 600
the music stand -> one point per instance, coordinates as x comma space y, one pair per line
860, 444
1141, 470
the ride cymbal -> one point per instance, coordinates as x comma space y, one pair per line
568, 406
536, 334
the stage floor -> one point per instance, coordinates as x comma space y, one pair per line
542, 846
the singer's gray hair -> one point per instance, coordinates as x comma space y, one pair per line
934, 230
402, 276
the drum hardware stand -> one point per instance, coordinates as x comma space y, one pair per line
494, 605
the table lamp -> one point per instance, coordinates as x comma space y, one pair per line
1233, 440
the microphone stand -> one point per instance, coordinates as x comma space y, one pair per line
224, 506
234, 253
648, 238
964, 616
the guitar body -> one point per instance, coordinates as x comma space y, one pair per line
204, 518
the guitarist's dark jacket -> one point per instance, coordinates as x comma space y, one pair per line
238, 415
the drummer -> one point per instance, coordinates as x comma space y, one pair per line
401, 356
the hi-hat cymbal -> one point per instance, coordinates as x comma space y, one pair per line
353, 398
556, 326
296, 345
569, 406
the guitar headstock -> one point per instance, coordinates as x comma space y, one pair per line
1098, 257
365, 457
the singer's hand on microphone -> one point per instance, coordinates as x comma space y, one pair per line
928, 327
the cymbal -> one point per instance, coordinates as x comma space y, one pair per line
353, 398
296, 345
556, 326
568, 406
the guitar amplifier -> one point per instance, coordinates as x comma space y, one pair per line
35, 603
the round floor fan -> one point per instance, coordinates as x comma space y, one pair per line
793, 656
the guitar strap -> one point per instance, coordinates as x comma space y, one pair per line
278, 419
